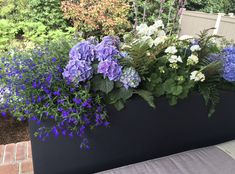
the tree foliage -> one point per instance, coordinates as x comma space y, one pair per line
213, 6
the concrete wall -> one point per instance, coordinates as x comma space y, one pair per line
193, 22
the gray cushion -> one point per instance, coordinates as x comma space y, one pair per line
210, 160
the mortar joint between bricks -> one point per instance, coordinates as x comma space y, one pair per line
4, 153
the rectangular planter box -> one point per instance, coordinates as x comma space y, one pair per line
138, 133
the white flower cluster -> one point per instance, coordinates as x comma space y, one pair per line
171, 50
192, 60
197, 76
154, 34
195, 48
175, 59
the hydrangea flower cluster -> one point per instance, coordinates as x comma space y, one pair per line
228, 59
171, 50
192, 60
108, 48
229, 63
83, 51
79, 70
88, 53
195, 48
110, 69
130, 78
197, 76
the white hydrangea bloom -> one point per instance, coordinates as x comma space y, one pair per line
192, 60
148, 39
161, 33
142, 29
197, 76
159, 40
175, 59
195, 48
152, 30
158, 24
171, 50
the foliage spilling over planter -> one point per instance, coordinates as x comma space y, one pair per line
71, 87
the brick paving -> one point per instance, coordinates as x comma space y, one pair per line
16, 158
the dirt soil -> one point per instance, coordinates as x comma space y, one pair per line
12, 131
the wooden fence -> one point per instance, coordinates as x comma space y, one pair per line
193, 22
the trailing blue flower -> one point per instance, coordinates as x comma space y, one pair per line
83, 51
78, 70
130, 78
110, 69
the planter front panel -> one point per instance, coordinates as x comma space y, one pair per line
138, 133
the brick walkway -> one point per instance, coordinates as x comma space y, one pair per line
16, 158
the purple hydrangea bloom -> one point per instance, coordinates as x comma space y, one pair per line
130, 78
78, 70
111, 41
83, 51
229, 64
195, 42
108, 48
106, 52
110, 69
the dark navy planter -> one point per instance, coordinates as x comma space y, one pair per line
138, 133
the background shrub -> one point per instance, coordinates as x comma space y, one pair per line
26, 23
98, 17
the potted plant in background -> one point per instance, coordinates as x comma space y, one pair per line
67, 93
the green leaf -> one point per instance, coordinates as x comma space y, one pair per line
104, 85
177, 90
158, 91
173, 101
120, 94
119, 105
168, 85
211, 96
147, 96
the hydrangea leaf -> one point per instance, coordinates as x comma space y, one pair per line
104, 85
177, 90
120, 94
119, 105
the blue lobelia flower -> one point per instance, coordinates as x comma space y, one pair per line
130, 78
110, 69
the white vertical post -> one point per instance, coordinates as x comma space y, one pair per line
217, 24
